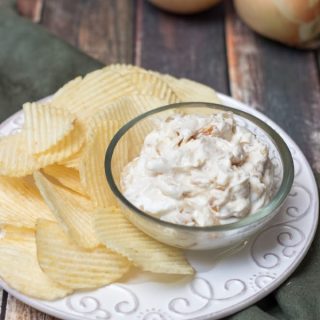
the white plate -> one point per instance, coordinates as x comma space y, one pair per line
223, 285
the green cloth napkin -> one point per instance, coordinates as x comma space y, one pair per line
34, 64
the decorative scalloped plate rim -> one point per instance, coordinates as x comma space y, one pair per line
169, 311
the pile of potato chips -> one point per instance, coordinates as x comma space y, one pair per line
61, 227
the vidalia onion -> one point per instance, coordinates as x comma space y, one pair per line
184, 6
293, 22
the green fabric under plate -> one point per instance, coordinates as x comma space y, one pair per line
34, 64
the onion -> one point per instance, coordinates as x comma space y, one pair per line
184, 6
293, 22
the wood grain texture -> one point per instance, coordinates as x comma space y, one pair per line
185, 46
243, 61
278, 80
102, 29
31, 9
62, 18
17, 310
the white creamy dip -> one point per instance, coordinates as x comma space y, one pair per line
199, 170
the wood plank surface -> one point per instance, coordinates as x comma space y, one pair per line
184, 46
31, 9
18, 310
102, 29
278, 80
245, 76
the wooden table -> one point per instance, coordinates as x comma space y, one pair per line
213, 47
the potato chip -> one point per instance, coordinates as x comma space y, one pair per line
69, 265
67, 147
98, 89
129, 107
95, 91
22, 235
72, 162
101, 87
91, 168
21, 203
19, 267
67, 177
73, 211
15, 160
118, 234
69, 88
151, 84
123, 68
147, 83
188, 90
167, 88
45, 126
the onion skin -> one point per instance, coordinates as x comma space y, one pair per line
184, 6
293, 22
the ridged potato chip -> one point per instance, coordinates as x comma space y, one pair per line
45, 126
70, 145
14, 158
95, 91
118, 234
151, 84
169, 88
73, 211
129, 107
189, 91
72, 162
124, 68
25, 237
69, 265
15, 161
67, 90
19, 266
100, 88
21, 203
147, 82
91, 168
67, 177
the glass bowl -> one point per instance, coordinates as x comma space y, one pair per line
130, 138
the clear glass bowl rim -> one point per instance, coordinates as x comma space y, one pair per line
276, 201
